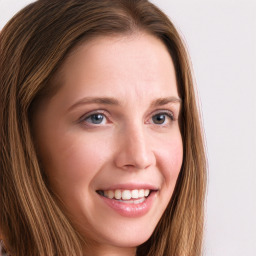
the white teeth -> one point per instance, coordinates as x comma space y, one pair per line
110, 194
146, 192
137, 201
118, 194
127, 194
141, 193
135, 194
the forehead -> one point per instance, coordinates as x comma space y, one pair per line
128, 65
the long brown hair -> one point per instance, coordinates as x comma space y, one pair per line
33, 45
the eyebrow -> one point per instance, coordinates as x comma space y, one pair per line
95, 100
113, 101
164, 101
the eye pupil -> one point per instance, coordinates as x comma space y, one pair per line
97, 118
159, 119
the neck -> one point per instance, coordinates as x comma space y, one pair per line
106, 250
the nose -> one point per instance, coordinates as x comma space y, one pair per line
134, 152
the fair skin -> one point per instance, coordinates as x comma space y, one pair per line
113, 127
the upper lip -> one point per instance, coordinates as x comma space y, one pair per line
130, 186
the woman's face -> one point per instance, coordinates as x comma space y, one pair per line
109, 139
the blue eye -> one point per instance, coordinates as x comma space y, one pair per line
160, 118
96, 119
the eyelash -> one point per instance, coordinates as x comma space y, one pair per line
87, 116
167, 113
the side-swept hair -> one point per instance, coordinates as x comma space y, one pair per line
33, 45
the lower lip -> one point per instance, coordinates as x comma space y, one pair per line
131, 210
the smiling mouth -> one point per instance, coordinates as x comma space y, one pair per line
135, 196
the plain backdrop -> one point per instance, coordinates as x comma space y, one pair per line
221, 39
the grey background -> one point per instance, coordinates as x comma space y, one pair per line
221, 39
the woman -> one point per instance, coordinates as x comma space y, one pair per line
101, 145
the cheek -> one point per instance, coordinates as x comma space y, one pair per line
170, 157
72, 160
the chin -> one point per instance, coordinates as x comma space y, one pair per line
130, 236
128, 242
122, 236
